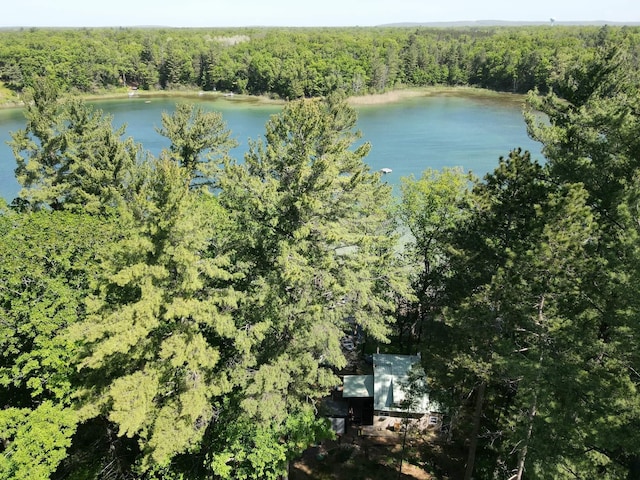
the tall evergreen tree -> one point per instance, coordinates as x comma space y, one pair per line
590, 125
69, 156
316, 234
500, 224
524, 333
590, 136
159, 336
200, 141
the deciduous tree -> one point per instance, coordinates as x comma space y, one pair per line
48, 261
431, 207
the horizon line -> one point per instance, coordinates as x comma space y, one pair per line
483, 22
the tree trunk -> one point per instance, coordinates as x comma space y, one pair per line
452, 425
523, 452
404, 444
473, 444
534, 406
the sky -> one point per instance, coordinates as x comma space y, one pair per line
239, 13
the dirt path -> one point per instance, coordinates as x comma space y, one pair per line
377, 458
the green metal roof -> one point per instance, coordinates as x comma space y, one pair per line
390, 374
387, 384
357, 386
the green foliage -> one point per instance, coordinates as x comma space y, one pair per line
262, 451
160, 314
295, 63
589, 138
36, 440
537, 323
316, 232
200, 141
251, 453
47, 261
520, 318
143, 317
69, 156
431, 207
592, 119
189, 332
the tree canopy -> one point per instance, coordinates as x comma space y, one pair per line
193, 307
302, 62
182, 316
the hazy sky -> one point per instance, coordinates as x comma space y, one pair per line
235, 13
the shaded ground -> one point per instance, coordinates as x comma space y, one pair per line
377, 458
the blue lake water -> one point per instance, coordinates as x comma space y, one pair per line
408, 136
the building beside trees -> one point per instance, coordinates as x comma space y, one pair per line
387, 391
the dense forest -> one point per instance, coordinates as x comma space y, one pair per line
180, 316
294, 63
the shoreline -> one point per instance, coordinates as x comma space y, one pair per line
195, 94
374, 99
401, 94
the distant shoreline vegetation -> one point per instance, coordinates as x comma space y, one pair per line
290, 63
388, 97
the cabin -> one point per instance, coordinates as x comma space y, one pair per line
381, 399
337, 412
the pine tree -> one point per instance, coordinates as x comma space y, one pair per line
200, 142
495, 307
590, 136
159, 338
523, 333
316, 234
69, 156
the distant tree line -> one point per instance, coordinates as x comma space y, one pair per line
301, 62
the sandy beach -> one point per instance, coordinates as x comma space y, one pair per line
390, 97
399, 95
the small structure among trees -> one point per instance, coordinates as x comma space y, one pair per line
397, 388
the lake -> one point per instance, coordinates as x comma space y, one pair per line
407, 136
